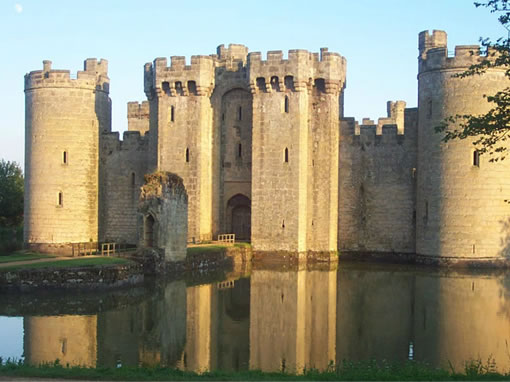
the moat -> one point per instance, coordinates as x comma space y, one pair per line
270, 320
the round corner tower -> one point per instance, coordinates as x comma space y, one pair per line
64, 118
461, 210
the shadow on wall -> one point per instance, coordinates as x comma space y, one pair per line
505, 238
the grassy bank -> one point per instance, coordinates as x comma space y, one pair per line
71, 263
363, 371
22, 256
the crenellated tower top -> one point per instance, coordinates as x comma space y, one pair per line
94, 77
434, 53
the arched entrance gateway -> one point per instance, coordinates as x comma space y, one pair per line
239, 216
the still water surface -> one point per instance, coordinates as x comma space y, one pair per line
270, 320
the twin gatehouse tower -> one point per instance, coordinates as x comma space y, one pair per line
265, 152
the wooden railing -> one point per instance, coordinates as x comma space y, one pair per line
227, 238
84, 249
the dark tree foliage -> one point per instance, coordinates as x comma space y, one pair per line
11, 194
490, 130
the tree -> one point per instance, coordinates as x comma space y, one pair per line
491, 129
11, 194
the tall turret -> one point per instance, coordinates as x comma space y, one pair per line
461, 209
296, 110
64, 118
180, 128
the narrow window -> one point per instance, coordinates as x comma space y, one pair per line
64, 157
286, 106
222, 116
133, 179
476, 158
240, 150
239, 113
172, 113
429, 109
60, 200
286, 155
426, 212
187, 154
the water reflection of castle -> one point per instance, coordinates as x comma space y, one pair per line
283, 320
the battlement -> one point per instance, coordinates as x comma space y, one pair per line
434, 53
234, 52
387, 129
94, 77
301, 66
179, 78
131, 141
138, 110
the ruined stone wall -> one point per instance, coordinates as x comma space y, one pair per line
288, 191
162, 219
461, 208
124, 164
377, 183
138, 116
63, 121
179, 94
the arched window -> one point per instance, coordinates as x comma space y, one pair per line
476, 158
187, 155
65, 157
166, 87
286, 155
172, 113
275, 83
261, 84
60, 200
192, 87
286, 104
178, 88
289, 83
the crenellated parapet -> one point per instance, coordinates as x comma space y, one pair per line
387, 127
434, 53
131, 141
138, 110
179, 79
301, 71
94, 77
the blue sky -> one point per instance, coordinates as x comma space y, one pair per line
378, 38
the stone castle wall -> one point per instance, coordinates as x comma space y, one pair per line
377, 183
124, 164
64, 118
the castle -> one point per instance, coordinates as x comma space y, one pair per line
266, 153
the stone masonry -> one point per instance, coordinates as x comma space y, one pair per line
265, 152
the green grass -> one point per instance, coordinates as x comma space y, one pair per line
87, 262
22, 256
242, 245
361, 371
206, 249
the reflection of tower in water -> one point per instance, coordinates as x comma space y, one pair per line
68, 339
292, 320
